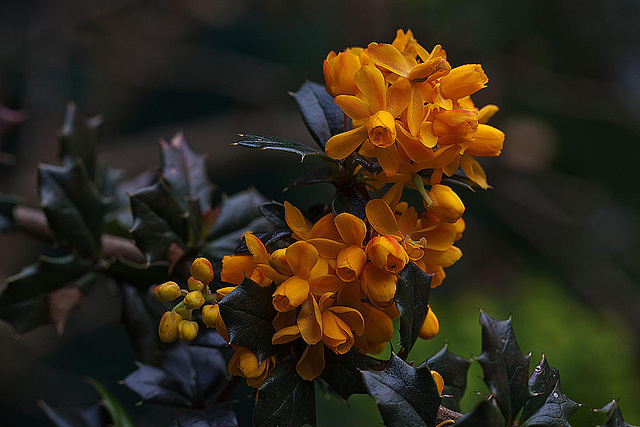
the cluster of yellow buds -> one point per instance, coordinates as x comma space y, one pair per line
336, 284
179, 323
412, 112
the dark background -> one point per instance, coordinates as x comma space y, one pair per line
555, 243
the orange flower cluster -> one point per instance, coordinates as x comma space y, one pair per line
336, 283
411, 110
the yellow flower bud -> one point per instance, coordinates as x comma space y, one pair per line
463, 81
487, 141
455, 126
350, 263
245, 364
437, 378
340, 69
194, 284
447, 205
194, 300
202, 270
187, 330
167, 291
168, 328
386, 253
430, 327
210, 314
278, 261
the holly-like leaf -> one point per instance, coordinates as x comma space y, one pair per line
189, 373
77, 138
247, 312
218, 415
227, 244
73, 205
140, 314
141, 276
614, 415
7, 203
541, 383
236, 212
555, 411
505, 368
485, 414
453, 370
274, 212
285, 399
348, 202
27, 301
344, 372
314, 176
320, 114
412, 297
406, 396
280, 144
119, 416
159, 221
185, 171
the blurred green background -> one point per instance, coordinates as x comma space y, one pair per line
555, 243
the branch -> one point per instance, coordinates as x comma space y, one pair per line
445, 414
34, 222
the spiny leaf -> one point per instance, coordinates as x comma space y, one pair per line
555, 411
140, 314
274, 212
280, 144
185, 171
405, 396
118, 414
453, 370
348, 202
344, 372
248, 312
78, 137
26, 304
541, 383
412, 297
285, 399
314, 176
320, 114
236, 212
159, 221
141, 276
505, 368
614, 415
485, 414
73, 206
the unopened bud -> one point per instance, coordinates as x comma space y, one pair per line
447, 205
210, 314
167, 291
168, 328
437, 378
278, 261
430, 327
194, 300
194, 284
187, 330
201, 270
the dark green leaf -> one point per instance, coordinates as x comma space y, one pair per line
236, 212
218, 415
248, 312
74, 207
614, 415
107, 180
285, 399
274, 212
141, 276
26, 301
485, 414
555, 411
348, 202
228, 243
159, 221
185, 171
7, 203
343, 372
453, 370
405, 396
320, 114
541, 383
189, 373
78, 137
140, 314
91, 415
412, 298
315, 176
119, 416
505, 368
280, 144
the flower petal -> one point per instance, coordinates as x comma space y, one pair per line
324, 227
415, 112
415, 149
350, 262
301, 257
257, 249
351, 228
398, 96
474, 171
319, 285
291, 294
310, 321
388, 159
296, 221
286, 335
371, 83
443, 258
351, 317
353, 106
381, 217
327, 248
341, 145
311, 363
236, 267
387, 56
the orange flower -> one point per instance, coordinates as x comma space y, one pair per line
386, 253
463, 81
446, 204
351, 260
430, 327
245, 364
340, 69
